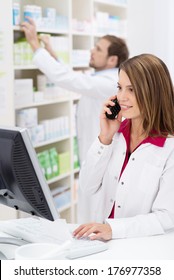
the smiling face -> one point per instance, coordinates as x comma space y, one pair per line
126, 98
146, 95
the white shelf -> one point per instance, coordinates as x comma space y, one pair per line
25, 67
75, 96
112, 4
53, 31
84, 12
78, 33
76, 171
61, 99
58, 178
51, 141
64, 208
45, 30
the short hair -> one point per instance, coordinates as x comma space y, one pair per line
153, 88
117, 47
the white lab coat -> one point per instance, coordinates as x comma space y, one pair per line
144, 195
94, 90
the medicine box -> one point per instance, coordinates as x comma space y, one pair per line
27, 117
64, 162
23, 91
61, 196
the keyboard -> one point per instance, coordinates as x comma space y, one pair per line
32, 230
84, 247
36, 230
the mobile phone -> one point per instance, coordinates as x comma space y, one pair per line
114, 110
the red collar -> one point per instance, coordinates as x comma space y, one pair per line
125, 129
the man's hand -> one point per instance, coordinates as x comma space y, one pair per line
46, 40
102, 231
29, 29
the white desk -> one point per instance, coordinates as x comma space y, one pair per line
159, 247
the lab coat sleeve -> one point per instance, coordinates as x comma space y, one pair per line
160, 220
94, 86
94, 167
142, 225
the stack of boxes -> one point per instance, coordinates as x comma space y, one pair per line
46, 18
61, 196
45, 130
23, 90
53, 163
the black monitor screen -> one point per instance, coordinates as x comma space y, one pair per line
22, 183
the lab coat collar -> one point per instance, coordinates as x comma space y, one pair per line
105, 71
125, 130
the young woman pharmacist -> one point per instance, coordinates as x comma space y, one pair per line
129, 169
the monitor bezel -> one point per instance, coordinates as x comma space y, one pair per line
35, 163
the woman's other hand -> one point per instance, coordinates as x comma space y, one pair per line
98, 231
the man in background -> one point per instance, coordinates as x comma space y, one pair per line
106, 56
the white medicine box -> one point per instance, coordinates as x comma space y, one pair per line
27, 117
23, 90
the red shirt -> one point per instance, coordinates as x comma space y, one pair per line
125, 129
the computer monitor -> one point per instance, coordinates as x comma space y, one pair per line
22, 183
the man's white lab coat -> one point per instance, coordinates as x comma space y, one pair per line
94, 90
144, 195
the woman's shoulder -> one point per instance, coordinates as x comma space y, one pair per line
170, 142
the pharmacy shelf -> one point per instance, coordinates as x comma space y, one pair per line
51, 141
112, 4
60, 99
78, 33
45, 30
25, 67
62, 209
58, 178
76, 171
82, 12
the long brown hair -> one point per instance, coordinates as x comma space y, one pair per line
153, 88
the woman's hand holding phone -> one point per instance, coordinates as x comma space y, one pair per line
109, 125
114, 109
